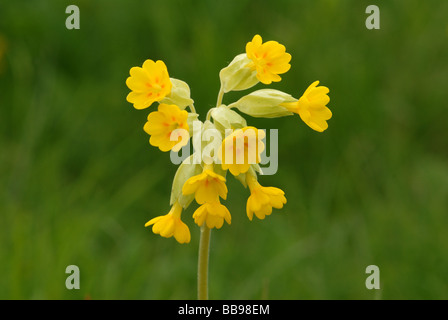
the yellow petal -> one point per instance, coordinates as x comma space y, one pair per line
205, 194
167, 230
136, 85
263, 212
153, 220
140, 100
149, 66
139, 75
200, 215
182, 233
160, 225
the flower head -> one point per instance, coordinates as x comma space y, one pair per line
224, 141
148, 84
171, 225
240, 149
207, 186
262, 199
312, 107
168, 127
269, 59
213, 214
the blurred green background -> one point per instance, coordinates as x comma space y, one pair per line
79, 179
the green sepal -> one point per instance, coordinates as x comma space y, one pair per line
185, 171
179, 95
237, 76
264, 103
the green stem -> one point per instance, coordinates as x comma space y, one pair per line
204, 252
209, 114
218, 103
192, 108
220, 96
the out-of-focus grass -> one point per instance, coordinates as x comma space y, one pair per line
78, 178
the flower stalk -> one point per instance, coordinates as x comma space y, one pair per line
203, 259
220, 96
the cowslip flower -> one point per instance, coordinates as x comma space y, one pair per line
223, 142
262, 199
171, 225
168, 127
269, 59
207, 186
148, 84
312, 107
213, 214
241, 149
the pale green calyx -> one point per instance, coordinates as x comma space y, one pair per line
192, 117
264, 103
237, 76
225, 118
179, 95
252, 170
211, 140
185, 171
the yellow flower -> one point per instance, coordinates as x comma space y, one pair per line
165, 126
240, 149
312, 107
213, 214
148, 84
171, 225
207, 186
269, 59
262, 199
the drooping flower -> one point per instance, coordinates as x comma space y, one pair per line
241, 149
213, 214
168, 127
312, 107
207, 186
148, 84
171, 225
262, 199
269, 59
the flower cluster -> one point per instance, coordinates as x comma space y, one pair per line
238, 147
